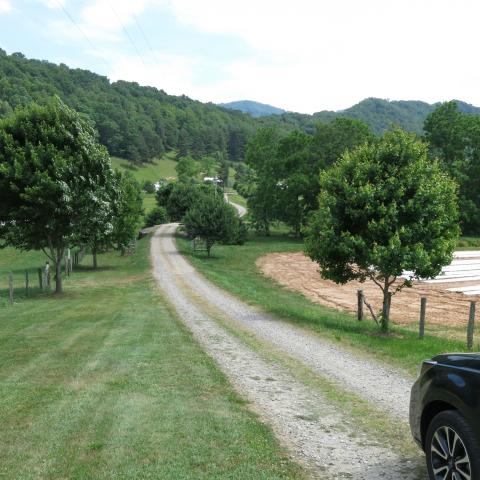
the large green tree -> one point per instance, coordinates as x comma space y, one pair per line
454, 138
213, 220
50, 170
384, 209
262, 158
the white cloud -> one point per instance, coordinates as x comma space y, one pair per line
306, 55
329, 54
5, 6
173, 73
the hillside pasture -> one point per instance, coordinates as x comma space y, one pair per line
152, 171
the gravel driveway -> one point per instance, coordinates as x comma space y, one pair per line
313, 431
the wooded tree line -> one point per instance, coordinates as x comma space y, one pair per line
139, 123
282, 173
134, 122
58, 189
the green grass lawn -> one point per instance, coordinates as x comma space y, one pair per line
158, 168
233, 268
149, 202
469, 243
236, 198
104, 382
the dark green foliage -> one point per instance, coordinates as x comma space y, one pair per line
332, 139
224, 169
187, 169
178, 197
133, 122
454, 138
262, 158
148, 186
213, 220
384, 208
127, 210
56, 182
283, 181
139, 123
156, 216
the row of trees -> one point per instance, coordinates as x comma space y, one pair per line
454, 139
281, 176
58, 189
369, 207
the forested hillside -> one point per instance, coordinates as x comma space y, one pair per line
134, 122
139, 123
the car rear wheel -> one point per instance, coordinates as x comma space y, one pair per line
453, 452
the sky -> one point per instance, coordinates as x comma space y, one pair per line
300, 55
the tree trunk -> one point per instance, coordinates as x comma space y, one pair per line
387, 300
58, 271
94, 254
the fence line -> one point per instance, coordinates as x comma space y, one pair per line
44, 276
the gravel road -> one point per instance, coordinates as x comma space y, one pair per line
240, 209
314, 432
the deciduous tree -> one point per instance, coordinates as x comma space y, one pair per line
384, 208
50, 164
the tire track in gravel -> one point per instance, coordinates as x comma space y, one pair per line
315, 433
381, 385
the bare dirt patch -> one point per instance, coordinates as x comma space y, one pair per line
297, 272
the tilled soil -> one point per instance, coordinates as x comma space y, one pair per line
297, 272
314, 432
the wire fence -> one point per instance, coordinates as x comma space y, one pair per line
21, 284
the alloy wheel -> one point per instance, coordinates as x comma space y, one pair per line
449, 457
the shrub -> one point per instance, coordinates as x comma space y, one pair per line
156, 216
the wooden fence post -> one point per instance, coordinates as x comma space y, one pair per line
360, 305
423, 309
40, 279
471, 325
26, 283
10, 287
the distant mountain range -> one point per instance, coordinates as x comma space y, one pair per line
255, 109
380, 114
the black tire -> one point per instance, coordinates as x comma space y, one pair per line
451, 446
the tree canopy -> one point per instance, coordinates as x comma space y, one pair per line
454, 138
213, 220
55, 179
384, 208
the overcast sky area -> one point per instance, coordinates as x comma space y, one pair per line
300, 55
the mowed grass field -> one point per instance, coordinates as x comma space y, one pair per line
152, 172
105, 382
233, 268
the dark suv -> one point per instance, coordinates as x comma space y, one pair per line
445, 416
